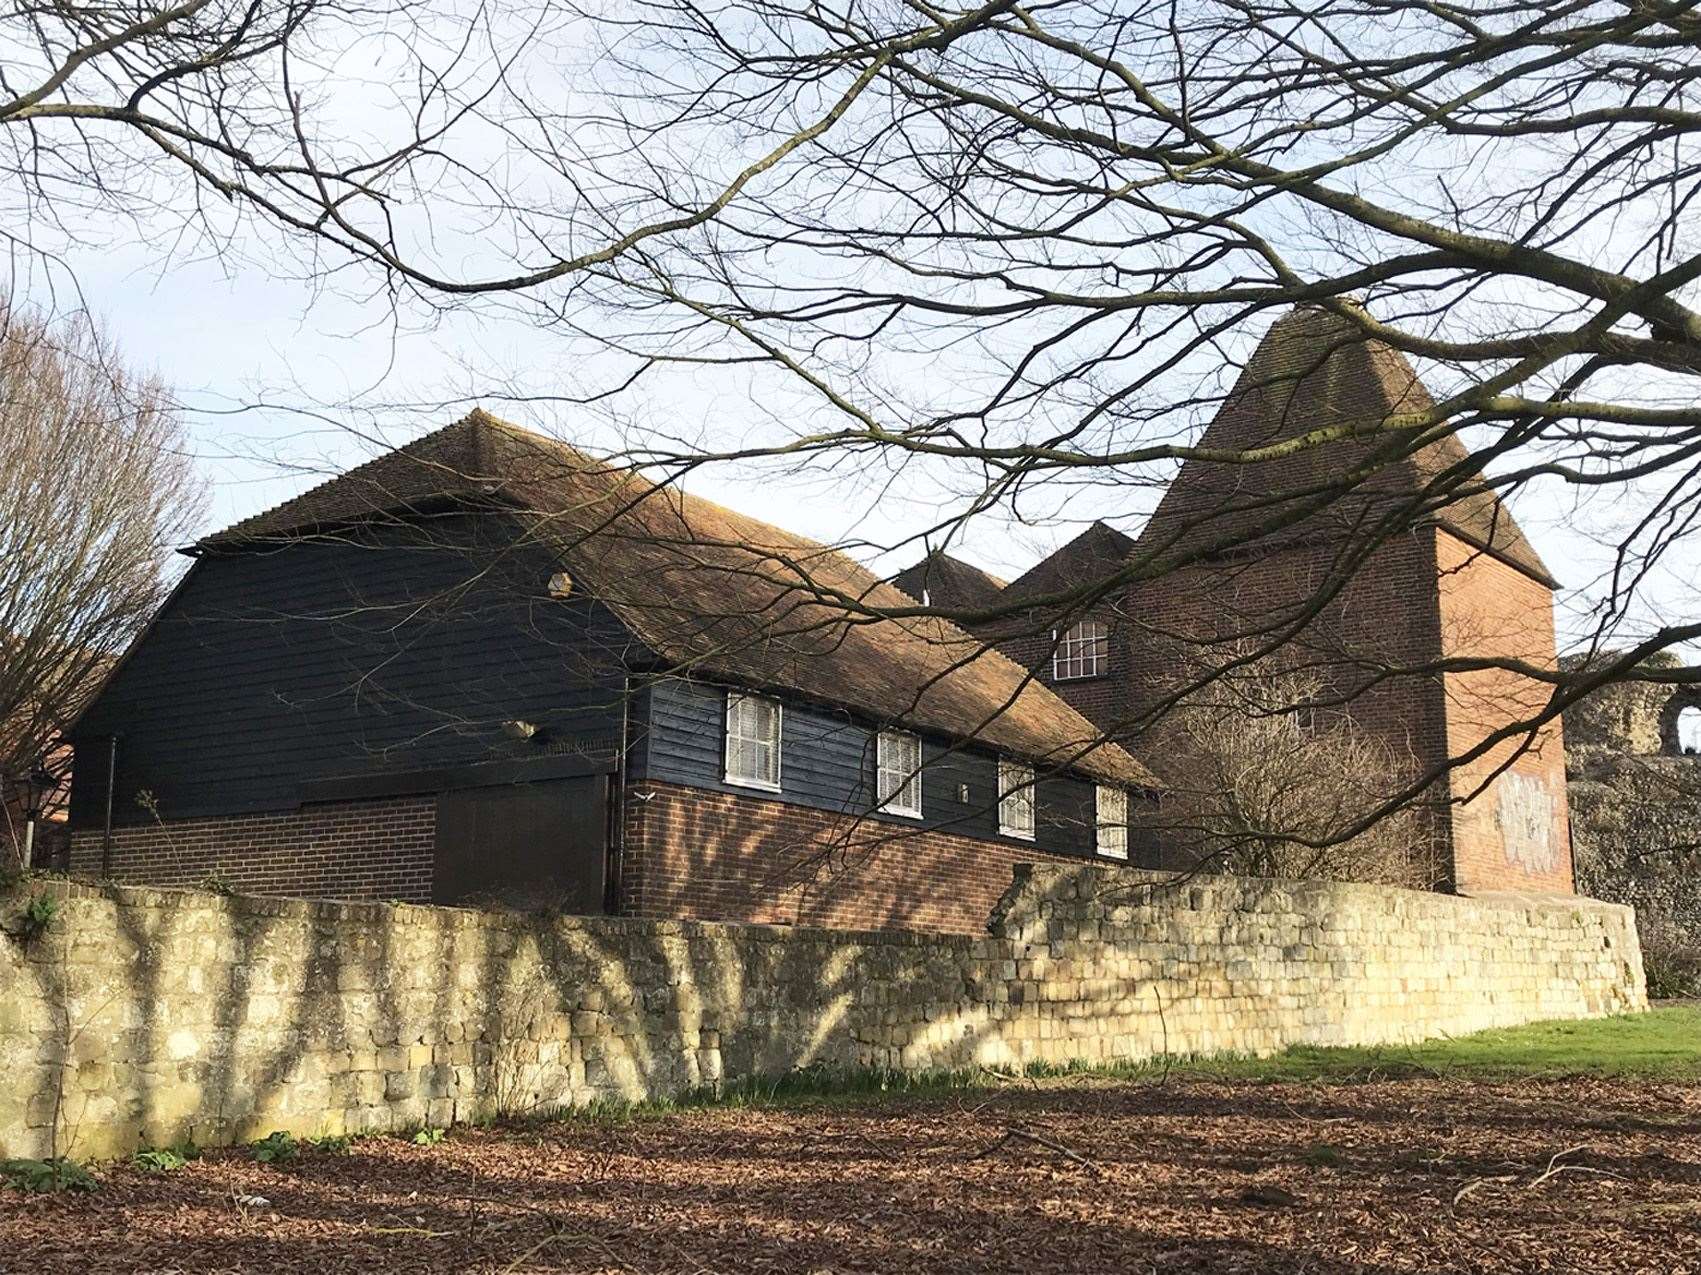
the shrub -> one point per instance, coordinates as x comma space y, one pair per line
275, 1148
332, 1143
1265, 783
46, 1175
1672, 958
38, 914
166, 1159
428, 1137
158, 1160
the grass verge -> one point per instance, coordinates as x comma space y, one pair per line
1663, 1044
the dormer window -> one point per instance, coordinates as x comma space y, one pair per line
1082, 650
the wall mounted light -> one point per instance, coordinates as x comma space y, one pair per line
518, 729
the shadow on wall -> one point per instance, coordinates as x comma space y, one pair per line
707, 856
145, 1016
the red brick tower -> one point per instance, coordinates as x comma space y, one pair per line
1372, 583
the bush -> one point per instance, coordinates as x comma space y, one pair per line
36, 918
1672, 958
274, 1148
46, 1175
1262, 783
165, 1159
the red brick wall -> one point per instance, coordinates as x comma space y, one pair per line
1383, 616
687, 853
1417, 598
1515, 834
713, 856
1103, 699
340, 850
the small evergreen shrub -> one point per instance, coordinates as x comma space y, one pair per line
46, 1175
275, 1148
159, 1160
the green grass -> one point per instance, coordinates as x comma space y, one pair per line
1664, 1044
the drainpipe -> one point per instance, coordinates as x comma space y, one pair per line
617, 804
106, 831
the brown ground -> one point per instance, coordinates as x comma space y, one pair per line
1188, 1177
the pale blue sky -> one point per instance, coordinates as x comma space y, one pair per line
228, 336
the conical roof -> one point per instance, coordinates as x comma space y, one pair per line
1316, 369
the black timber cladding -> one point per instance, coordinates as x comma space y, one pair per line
828, 763
533, 845
392, 650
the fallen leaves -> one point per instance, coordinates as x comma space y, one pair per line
1073, 1175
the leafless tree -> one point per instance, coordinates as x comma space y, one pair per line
1266, 784
1015, 244
98, 490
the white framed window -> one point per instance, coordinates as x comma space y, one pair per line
753, 740
898, 773
1015, 799
1111, 836
1082, 650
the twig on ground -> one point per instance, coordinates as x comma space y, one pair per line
1014, 1134
1554, 1168
1474, 1183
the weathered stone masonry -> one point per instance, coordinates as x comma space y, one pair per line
159, 1015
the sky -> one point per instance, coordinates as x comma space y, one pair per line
268, 369
284, 383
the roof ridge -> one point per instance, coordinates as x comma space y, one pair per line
1072, 547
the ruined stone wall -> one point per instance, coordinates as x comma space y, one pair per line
1636, 804
143, 1016
1636, 826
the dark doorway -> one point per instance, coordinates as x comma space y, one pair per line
537, 845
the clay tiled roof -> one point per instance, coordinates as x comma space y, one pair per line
949, 583
1313, 369
716, 592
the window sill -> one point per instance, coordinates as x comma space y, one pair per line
1016, 834
897, 812
759, 785
1079, 677
1115, 856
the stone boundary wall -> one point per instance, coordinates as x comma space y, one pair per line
143, 1016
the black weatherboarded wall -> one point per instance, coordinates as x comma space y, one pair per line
828, 763
389, 650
